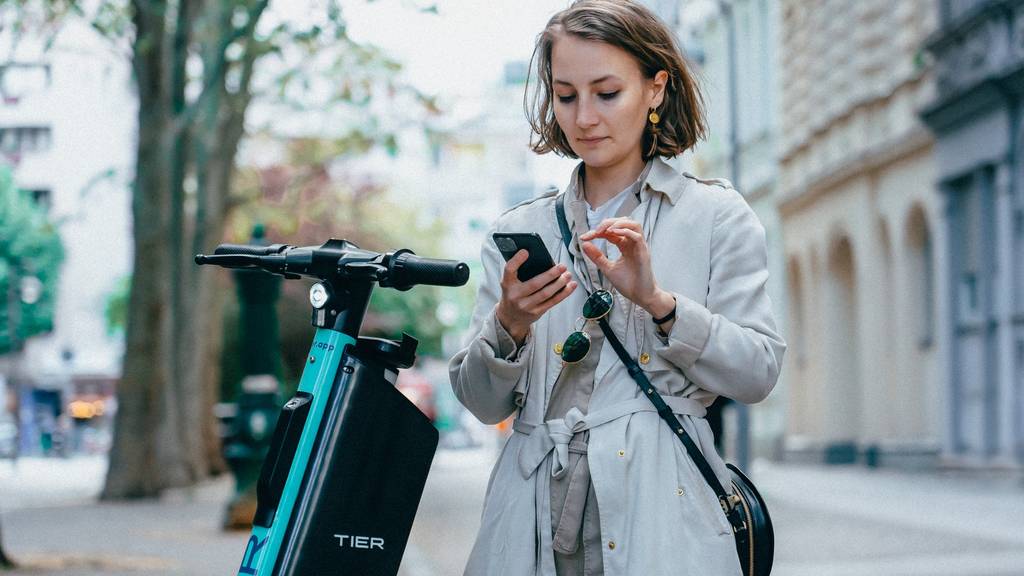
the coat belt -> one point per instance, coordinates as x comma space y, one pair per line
556, 435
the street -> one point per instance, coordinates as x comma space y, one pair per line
829, 521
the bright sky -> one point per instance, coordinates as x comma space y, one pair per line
459, 52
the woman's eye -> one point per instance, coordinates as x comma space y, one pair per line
566, 99
608, 95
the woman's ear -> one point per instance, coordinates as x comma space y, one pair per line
657, 87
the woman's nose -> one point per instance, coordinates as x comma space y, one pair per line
586, 116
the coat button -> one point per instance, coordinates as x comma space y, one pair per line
558, 348
611, 545
622, 453
645, 358
680, 491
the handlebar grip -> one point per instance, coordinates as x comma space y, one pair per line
407, 269
248, 249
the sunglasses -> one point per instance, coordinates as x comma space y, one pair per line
577, 345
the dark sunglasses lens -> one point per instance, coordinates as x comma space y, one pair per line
575, 347
597, 305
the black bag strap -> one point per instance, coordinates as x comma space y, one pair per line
634, 369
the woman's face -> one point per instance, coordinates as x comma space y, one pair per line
601, 99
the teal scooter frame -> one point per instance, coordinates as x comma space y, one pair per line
342, 479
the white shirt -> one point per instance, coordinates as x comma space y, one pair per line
606, 210
611, 207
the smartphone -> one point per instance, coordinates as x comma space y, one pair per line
539, 260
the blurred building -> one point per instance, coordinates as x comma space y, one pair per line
742, 142
464, 167
867, 322
67, 127
481, 166
484, 165
976, 115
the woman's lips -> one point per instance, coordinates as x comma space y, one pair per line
592, 141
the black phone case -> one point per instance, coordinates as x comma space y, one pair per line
539, 259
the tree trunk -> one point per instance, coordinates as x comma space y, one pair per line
186, 457
135, 466
222, 122
165, 430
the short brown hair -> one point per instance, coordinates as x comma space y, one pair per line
632, 27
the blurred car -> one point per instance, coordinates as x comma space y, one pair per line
417, 388
8, 439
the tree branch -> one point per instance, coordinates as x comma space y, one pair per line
214, 77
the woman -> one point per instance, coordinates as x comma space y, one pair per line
592, 481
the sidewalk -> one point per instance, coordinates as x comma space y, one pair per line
829, 521
850, 520
52, 524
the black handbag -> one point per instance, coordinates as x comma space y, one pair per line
744, 508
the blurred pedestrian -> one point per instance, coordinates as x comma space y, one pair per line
592, 481
5, 560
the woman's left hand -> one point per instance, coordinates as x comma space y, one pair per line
631, 274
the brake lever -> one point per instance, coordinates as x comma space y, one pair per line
365, 268
228, 260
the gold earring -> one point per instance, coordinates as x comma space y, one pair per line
654, 118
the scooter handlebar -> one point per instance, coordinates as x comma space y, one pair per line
407, 269
401, 269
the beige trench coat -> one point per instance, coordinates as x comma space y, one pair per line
657, 514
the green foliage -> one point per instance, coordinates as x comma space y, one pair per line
29, 248
414, 312
302, 204
116, 309
319, 211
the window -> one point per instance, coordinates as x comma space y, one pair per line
927, 295
25, 139
18, 80
973, 244
1018, 227
41, 198
967, 244
959, 8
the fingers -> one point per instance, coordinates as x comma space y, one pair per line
612, 224
596, 256
543, 279
517, 291
558, 296
537, 302
512, 266
624, 238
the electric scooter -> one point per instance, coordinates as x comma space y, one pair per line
349, 456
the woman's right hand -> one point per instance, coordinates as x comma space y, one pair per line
522, 303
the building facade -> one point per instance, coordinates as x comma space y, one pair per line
978, 51
862, 220
67, 129
741, 91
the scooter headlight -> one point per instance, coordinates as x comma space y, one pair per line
318, 295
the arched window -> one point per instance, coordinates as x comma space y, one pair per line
921, 275
798, 325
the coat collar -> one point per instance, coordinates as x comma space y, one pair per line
662, 178
665, 179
